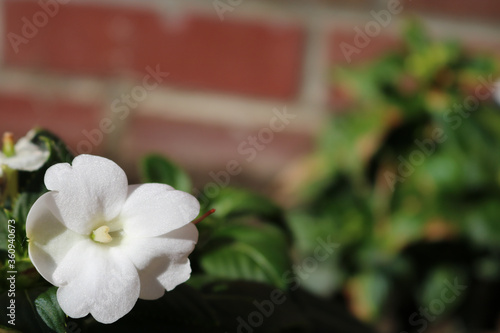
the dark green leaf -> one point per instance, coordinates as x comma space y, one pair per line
232, 202
3, 230
59, 152
253, 252
48, 308
23, 205
27, 319
157, 169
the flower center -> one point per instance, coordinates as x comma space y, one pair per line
101, 235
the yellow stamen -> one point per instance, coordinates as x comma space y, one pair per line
8, 144
101, 235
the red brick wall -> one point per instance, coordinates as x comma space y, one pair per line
195, 81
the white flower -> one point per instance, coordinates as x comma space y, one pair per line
27, 155
104, 243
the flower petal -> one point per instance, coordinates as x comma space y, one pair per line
155, 209
163, 275
171, 246
158, 259
97, 279
29, 156
90, 191
49, 239
151, 288
177, 273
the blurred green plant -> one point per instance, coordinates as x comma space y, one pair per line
407, 179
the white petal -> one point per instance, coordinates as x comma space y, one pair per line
151, 288
163, 274
162, 261
29, 157
90, 191
174, 245
167, 275
49, 239
177, 273
155, 209
97, 279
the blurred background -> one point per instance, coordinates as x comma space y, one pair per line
68, 65
360, 117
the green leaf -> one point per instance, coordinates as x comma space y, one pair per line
370, 291
438, 280
250, 252
3, 230
20, 212
48, 308
59, 152
233, 202
415, 36
27, 319
23, 205
157, 169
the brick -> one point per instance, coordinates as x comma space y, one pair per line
376, 46
248, 57
460, 9
20, 113
203, 148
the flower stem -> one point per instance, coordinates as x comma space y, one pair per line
204, 216
11, 189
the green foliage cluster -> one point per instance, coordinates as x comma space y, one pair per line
407, 179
